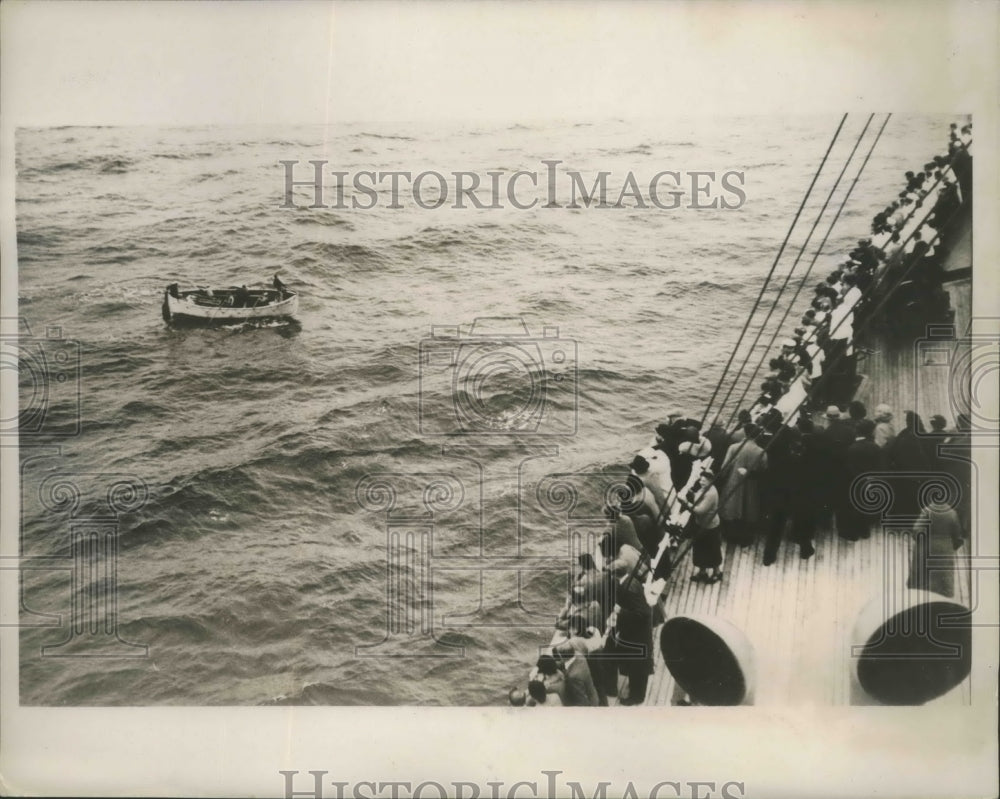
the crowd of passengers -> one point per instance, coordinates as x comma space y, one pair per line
794, 462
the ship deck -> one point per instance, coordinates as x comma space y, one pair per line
799, 614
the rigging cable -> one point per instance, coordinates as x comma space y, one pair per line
788, 277
814, 259
774, 265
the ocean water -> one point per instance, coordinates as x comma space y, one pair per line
254, 564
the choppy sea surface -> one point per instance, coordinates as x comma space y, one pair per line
255, 567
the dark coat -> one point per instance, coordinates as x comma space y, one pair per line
853, 519
812, 468
580, 688
632, 641
906, 455
840, 433
719, 438
863, 456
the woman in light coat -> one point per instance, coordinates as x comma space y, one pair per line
739, 494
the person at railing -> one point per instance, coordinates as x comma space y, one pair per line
809, 319
867, 255
743, 418
914, 181
580, 602
638, 505
771, 390
553, 681
578, 682
827, 289
822, 306
816, 356
631, 637
948, 202
588, 642
853, 295
691, 446
739, 487
516, 697
718, 438
540, 696
840, 354
704, 528
793, 401
655, 475
783, 368
621, 534
669, 436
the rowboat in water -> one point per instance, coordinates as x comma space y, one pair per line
227, 306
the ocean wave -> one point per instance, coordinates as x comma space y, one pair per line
102, 164
324, 219
184, 156
41, 237
388, 136
356, 255
329, 694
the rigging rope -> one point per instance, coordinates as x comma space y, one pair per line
774, 265
788, 277
815, 257
870, 315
